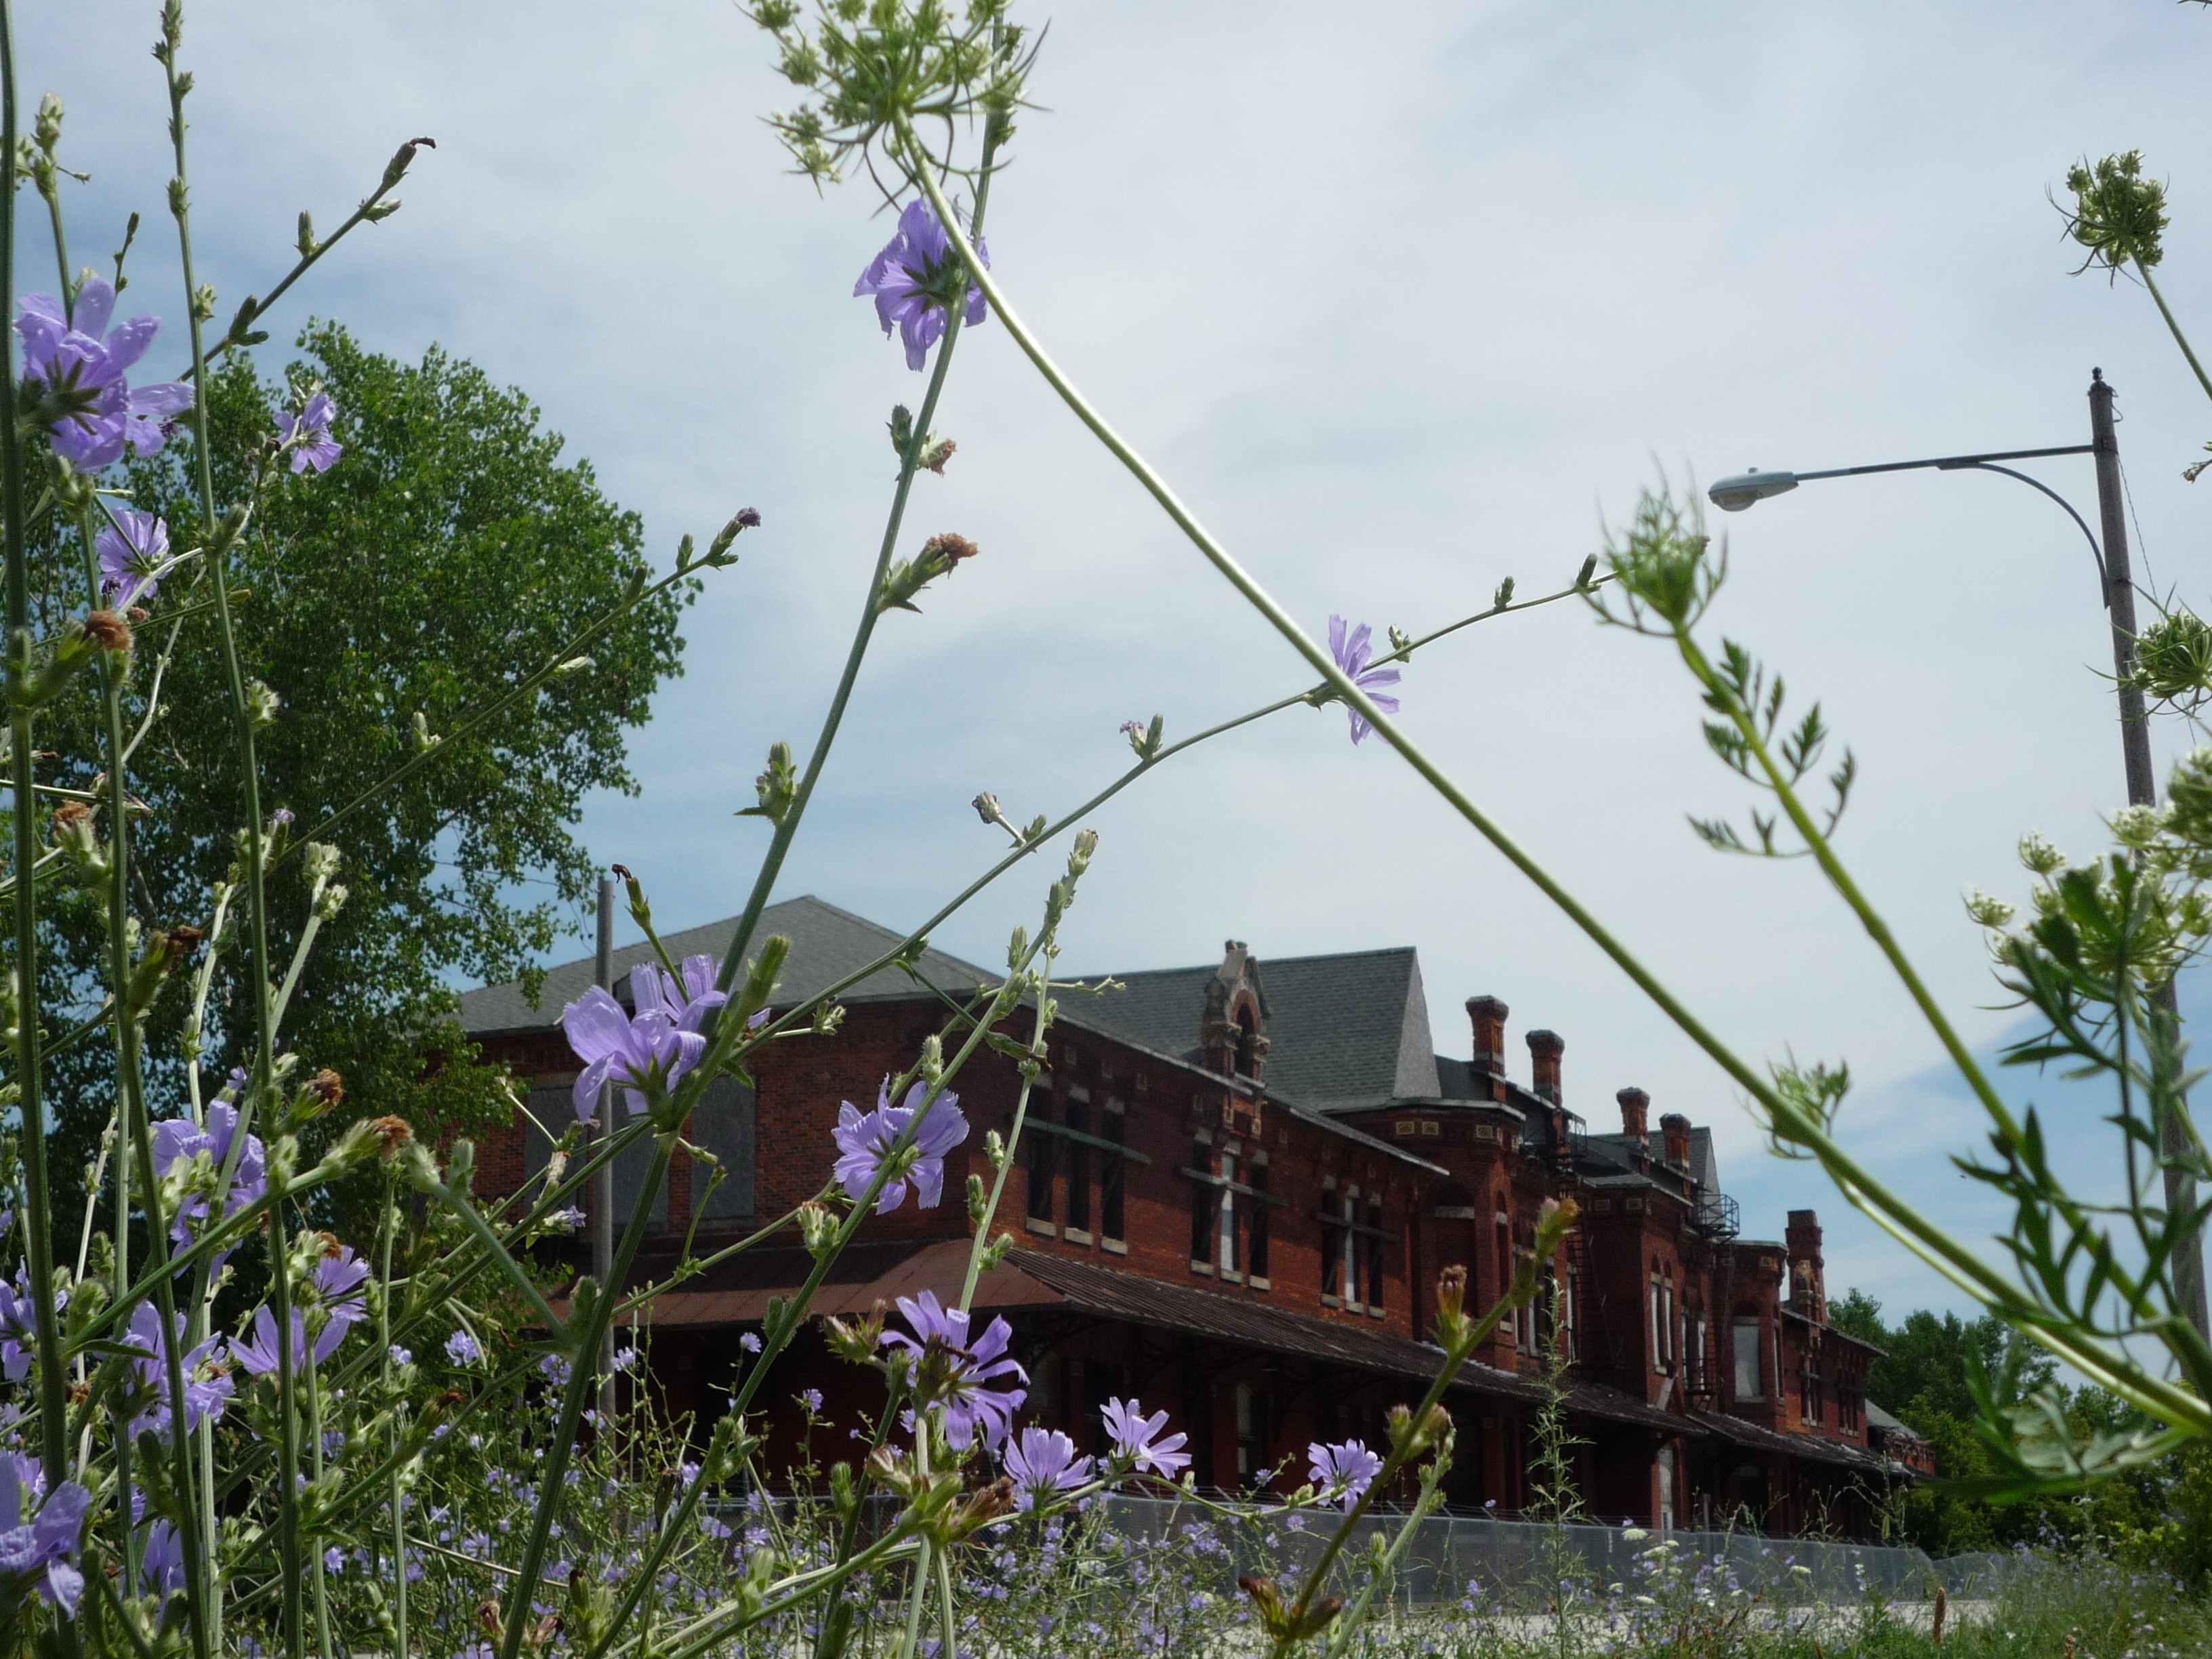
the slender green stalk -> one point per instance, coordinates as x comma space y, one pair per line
582, 1379
53, 1443
397, 1496
779, 844
260, 1071
130, 1078
2174, 328
918, 1586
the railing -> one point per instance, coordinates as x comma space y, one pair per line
1718, 1216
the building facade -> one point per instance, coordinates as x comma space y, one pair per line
1234, 1188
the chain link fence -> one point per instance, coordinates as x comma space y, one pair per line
1527, 1564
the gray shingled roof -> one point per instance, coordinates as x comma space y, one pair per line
1343, 1032
826, 944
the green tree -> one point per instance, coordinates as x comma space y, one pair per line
447, 553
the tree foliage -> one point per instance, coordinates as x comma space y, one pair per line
447, 553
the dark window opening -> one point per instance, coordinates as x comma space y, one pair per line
1204, 1205
1040, 1173
1248, 1056
1255, 1242
1375, 1256
1110, 1182
1079, 1168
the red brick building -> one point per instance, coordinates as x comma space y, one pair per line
1235, 1189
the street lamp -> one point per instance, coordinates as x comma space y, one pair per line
1746, 490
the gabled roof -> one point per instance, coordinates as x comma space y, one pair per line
826, 945
1344, 1031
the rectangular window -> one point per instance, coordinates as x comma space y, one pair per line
1667, 1298
1041, 1165
1225, 1224
1511, 1325
1079, 1166
1255, 1234
1350, 1213
1110, 1222
1375, 1257
1746, 1359
1205, 1205
1658, 1328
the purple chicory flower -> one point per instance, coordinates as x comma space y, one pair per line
944, 1370
1042, 1464
208, 1387
161, 1568
401, 1356
462, 1349
624, 1358
569, 1220
916, 277
864, 1140
557, 1369
750, 1342
133, 556
1136, 1437
259, 1356
1352, 653
19, 1322
307, 435
176, 1140
339, 1280
1350, 1466
651, 1050
75, 370
35, 1546
812, 1400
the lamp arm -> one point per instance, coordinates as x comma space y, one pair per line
2103, 582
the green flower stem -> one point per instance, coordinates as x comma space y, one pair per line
2199, 1364
719, 1042
1348, 1622
1961, 1267
1038, 1050
293, 1621
53, 1431
712, 1630
581, 1381
917, 1590
129, 1076
396, 1495
2174, 327
1456, 1355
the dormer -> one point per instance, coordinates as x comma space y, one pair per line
1233, 1034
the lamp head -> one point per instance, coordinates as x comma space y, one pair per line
1733, 495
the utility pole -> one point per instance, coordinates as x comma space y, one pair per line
602, 1181
2143, 791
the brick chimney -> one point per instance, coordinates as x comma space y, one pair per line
1545, 1048
1676, 1128
1635, 1113
1808, 1285
1488, 1014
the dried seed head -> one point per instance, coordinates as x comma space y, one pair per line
393, 1131
108, 631
329, 1087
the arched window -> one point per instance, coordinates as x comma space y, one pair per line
1248, 1058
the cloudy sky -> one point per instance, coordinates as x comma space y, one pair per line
1406, 299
